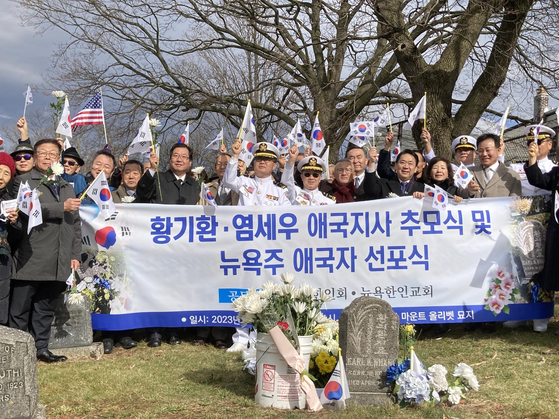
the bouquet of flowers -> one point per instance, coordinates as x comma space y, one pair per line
418, 386
107, 292
501, 292
296, 310
324, 356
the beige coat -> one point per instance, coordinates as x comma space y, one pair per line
505, 182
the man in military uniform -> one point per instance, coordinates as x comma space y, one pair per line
464, 151
259, 189
545, 143
311, 169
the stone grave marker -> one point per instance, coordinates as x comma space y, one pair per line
369, 332
19, 392
71, 326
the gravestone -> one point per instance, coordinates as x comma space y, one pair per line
19, 392
530, 239
369, 331
71, 326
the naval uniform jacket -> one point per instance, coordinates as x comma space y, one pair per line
254, 190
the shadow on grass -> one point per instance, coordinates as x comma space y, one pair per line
523, 335
239, 383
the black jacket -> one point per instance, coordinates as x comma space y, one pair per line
171, 191
376, 188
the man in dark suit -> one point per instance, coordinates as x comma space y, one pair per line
358, 158
46, 255
173, 187
402, 184
492, 178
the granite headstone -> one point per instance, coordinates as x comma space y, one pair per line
369, 331
19, 392
71, 326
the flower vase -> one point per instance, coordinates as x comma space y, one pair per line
277, 384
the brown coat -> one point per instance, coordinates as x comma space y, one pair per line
505, 182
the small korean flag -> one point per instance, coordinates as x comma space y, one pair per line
207, 195
440, 199
395, 152
462, 176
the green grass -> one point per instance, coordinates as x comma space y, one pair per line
517, 371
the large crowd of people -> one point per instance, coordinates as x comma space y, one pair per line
35, 264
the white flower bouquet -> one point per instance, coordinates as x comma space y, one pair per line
420, 386
295, 309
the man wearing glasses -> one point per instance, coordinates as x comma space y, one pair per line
311, 169
45, 256
174, 185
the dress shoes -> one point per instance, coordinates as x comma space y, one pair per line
154, 342
49, 357
127, 343
174, 340
108, 346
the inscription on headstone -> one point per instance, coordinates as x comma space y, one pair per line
18, 379
530, 238
369, 330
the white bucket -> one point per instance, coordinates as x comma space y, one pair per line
277, 384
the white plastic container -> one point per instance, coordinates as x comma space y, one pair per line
277, 384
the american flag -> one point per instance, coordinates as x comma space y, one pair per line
91, 114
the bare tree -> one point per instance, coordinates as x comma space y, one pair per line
181, 60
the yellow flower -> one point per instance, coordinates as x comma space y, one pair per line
325, 363
311, 364
409, 328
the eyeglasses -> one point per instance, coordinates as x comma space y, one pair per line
52, 154
315, 175
21, 157
540, 141
70, 163
177, 156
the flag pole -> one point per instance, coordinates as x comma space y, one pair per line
425, 111
157, 168
389, 116
26, 96
188, 128
103, 113
341, 372
222, 137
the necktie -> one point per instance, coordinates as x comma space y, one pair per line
179, 182
55, 188
488, 174
403, 184
357, 182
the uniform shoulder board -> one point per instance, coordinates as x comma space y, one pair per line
250, 176
281, 185
329, 195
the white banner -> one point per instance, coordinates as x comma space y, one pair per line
166, 265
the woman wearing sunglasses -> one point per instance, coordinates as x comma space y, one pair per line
23, 158
311, 169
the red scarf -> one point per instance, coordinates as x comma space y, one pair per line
343, 193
